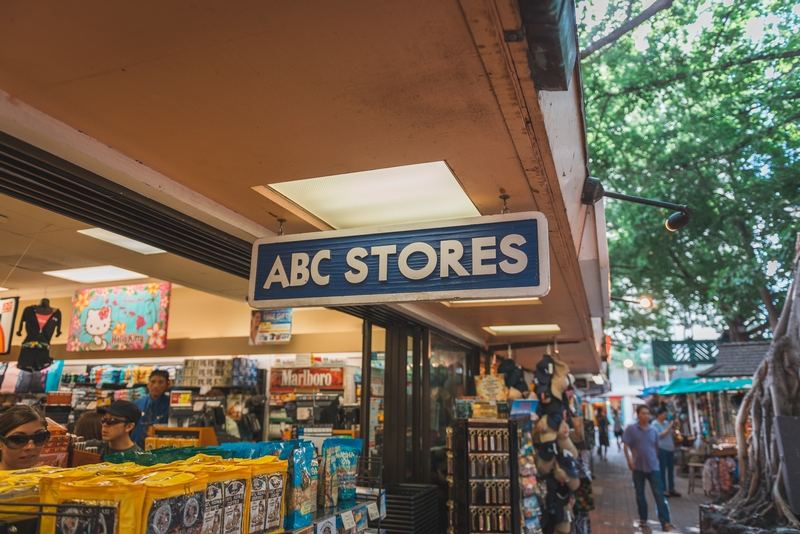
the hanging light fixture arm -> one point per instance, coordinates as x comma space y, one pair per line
646, 201
593, 191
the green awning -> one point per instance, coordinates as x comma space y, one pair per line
705, 385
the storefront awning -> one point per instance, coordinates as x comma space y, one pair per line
705, 385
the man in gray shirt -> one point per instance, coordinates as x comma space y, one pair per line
641, 450
666, 451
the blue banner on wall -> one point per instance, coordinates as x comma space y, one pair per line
498, 256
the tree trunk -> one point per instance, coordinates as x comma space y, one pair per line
772, 313
775, 392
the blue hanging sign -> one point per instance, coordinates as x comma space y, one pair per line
497, 256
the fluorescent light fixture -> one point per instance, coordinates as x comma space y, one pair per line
398, 195
473, 303
92, 275
121, 241
518, 329
3, 289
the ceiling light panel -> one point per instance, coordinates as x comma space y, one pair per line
93, 275
121, 241
520, 329
476, 303
3, 289
398, 195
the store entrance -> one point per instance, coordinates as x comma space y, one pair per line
423, 372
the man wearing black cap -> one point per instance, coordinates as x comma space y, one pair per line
119, 420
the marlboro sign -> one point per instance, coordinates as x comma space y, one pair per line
306, 378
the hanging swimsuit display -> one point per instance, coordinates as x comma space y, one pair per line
40, 322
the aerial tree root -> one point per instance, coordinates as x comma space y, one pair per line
775, 389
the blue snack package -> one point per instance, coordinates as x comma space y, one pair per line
300, 500
346, 465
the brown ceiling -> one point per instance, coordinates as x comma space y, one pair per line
37, 240
221, 97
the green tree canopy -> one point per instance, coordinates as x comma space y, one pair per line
698, 105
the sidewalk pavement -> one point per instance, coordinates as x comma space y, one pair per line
615, 500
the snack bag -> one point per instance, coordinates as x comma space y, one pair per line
122, 501
266, 501
18, 489
346, 465
300, 499
314, 482
327, 489
50, 484
174, 502
128, 469
226, 493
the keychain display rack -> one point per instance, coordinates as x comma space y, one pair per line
482, 463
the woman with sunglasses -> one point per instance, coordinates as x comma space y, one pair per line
23, 433
119, 420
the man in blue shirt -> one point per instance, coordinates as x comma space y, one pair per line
641, 450
155, 406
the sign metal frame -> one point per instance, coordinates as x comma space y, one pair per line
541, 290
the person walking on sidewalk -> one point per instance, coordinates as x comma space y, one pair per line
666, 451
641, 451
618, 427
602, 430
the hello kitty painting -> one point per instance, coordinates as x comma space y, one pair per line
97, 325
130, 317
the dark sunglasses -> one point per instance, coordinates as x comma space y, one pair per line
108, 421
18, 441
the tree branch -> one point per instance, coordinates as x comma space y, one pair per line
759, 328
628, 26
723, 66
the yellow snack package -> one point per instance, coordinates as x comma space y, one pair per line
121, 500
50, 484
39, 470
20, 489
128, 469
174, 502
267, 494
227, 489
203, 459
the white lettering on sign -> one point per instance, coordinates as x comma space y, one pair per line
290, 378
302, 268
451, 251
277, 274
354, 256
513, 253
417, 274
319, 279
383, 252
299, 274
480, 252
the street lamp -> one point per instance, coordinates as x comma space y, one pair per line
593, 191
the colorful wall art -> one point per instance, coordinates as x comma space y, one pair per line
131, 317
8, 314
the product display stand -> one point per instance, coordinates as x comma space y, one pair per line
483, 470
205, 435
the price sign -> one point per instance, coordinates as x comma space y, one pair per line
372, 510
348, 520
